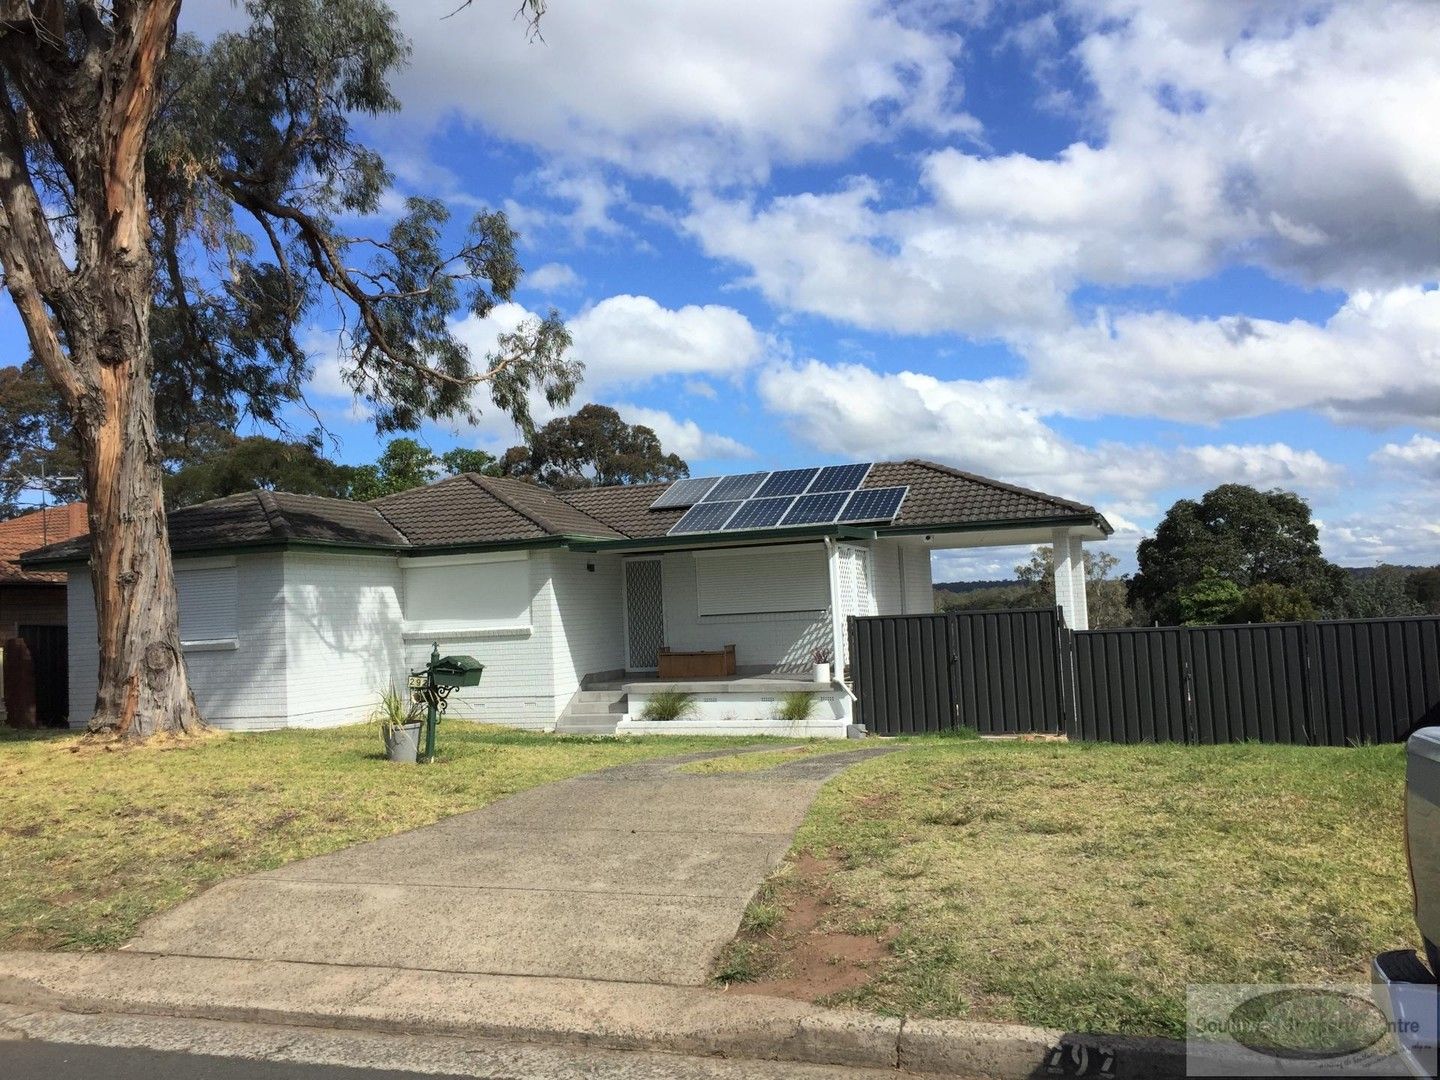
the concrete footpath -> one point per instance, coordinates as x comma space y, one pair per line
584, 913
692, 1021
638, 873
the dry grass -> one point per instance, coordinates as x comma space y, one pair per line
759, 760
1082, 887
93, 841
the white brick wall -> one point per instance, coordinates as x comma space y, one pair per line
341, 643
919, 592
588, 634
240, 688
517, 687
781, 639
889, 595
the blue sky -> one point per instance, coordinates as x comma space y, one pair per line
1119, 251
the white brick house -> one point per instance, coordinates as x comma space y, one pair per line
297, 610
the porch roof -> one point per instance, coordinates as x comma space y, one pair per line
471, 511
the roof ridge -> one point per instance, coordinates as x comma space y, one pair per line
386, 518
274, 516
1001, 484
482, 482
559, 496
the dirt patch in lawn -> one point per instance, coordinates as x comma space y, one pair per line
800, 956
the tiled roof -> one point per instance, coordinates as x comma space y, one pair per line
941, 495
474, 509
626, 509
35, 529
260, 517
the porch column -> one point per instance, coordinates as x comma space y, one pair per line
838, 639
1069, 553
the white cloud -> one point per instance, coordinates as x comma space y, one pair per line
1407, 531
552, 277
987, 427
689, 90
625, 340
684, 437
1420, 455
1304, 141
1377, 358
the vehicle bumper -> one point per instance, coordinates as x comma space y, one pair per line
1405, 991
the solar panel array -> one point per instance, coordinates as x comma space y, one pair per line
784, 499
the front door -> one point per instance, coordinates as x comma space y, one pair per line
644, 614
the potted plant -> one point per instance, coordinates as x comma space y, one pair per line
400, 722
821, 659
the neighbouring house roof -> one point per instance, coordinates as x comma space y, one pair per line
37, 529
483, 511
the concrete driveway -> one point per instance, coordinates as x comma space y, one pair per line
636, 874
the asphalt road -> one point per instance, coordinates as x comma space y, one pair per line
64, 1046
63, 1061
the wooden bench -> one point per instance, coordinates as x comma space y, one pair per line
697, 663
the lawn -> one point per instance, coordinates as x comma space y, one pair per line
92, 842
1082, 886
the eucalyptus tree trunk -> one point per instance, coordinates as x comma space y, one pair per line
143, 689
82, 91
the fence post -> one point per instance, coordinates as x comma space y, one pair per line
1187, 682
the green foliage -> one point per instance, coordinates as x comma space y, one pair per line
1212, 599
1246, 537
463, 459
395, 710
229, 464
669, 705
34, 435
1272, 603
593, 447
253, 163
1385, 592
405, 464
1035, 587
796, 706
1424, 588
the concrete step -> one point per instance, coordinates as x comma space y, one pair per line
596, 708
600, 695
586, 725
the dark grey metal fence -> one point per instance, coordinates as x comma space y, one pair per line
1331, 683
998, 672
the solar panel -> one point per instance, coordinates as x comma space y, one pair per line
840, 478
815, 509
759, 513
874, 504
704, 517
685, 492
736, 487
786, 482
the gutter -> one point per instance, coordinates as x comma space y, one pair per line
731, 539
1098, 520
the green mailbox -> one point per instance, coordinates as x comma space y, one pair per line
456, 671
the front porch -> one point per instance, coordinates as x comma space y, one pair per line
741, 704
772, 611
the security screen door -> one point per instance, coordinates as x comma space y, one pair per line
644, 614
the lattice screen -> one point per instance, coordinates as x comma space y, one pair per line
856, 573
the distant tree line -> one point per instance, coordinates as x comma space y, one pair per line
591, 447
1236, 555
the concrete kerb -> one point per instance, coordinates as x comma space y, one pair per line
621, 1016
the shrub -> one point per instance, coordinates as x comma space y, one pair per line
669, 705
395, 709
795, 707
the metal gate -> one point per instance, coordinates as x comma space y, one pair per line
49, 650
999, 672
